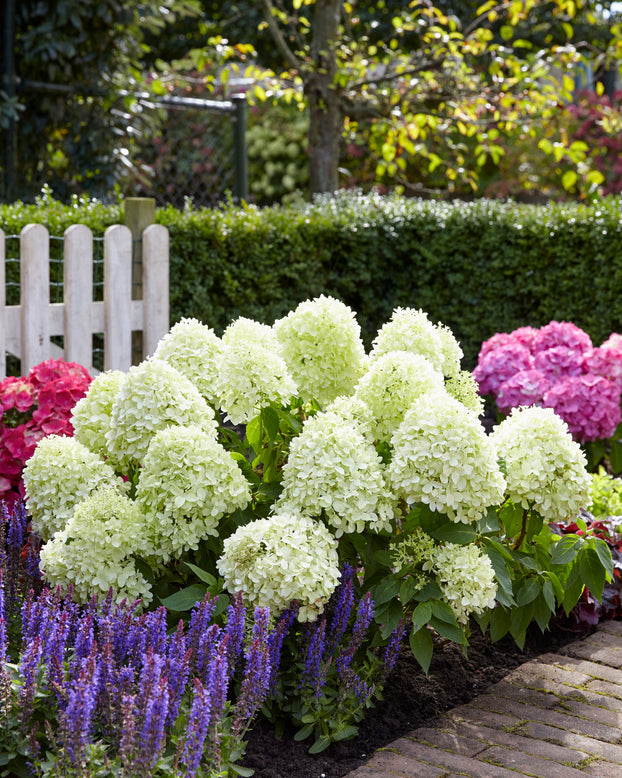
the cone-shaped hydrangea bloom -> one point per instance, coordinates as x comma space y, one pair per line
410, 329
91, 415
451, 351
463, 387
561, 333
443, 457
244, 330
187, 482
58, 476
193, 349
466, 578
527, 387
589, 404
153, 396
97, 548
545, 468
391, 384
250, 377
355, 411
321, 343
334, 471
274, 561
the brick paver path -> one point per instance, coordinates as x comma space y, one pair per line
559, 716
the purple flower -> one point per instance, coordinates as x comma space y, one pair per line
200, 620
77, 718
198, 725
177, 671
364, 615
391, 651
236, 621
256, 679
313, 674
343, 599
275, 642
153, 733
4, 641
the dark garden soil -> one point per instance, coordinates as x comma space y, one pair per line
410, 700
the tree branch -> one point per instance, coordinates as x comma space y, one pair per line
278, 37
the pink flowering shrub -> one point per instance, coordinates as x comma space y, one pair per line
556, 367
32, 407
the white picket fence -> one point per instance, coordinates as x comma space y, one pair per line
26, 329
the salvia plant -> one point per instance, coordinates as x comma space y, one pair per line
270, 460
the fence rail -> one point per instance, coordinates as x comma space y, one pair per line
26, 329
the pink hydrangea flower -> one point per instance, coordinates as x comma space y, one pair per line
500, 364
57, 368
561, 333
589, 404
16, 393
614, 340
606, 361
494, 342
526, 336
559, 362
527, 387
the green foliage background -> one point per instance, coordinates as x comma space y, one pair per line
478, 267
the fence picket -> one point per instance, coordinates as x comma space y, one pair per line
118, 297
155, 285
25, 329
78, 294
35, 295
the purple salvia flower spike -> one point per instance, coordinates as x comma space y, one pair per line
177, 671
211, 639
200, 619
314, 655
275, 642
29, 664
198, 725
254, 687
127, 746
4, 640
77, 719
364, 615
389, 655
342, 603
153, 734
235, 626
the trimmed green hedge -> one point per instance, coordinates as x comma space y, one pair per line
479, 267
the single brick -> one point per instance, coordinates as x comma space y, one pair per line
517, 760
450, 741
606, 656
550, 671
387, 762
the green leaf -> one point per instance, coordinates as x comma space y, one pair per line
202, 575
615, 456
346, 733
569, 179
386, 590
604, 554
566, 549
431, 591
512, 517
407, 590
253, 433
422, 647
549, 594
421, 615
245, 772
271, 421
500, 623
450, 631
453, 532
592, 572
443, 611
320, 745
542, 613
304, 732
185, 599
527, 592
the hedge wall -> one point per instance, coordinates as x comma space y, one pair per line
479, 267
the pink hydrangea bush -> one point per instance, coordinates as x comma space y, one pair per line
32, 407
557, 367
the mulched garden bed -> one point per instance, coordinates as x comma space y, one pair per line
411, 700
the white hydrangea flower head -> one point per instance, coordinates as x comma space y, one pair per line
451, 351
443, 458
409, 329
250, 378
153, 396
392, 383
353, 410
194, 349
91, 415
187, 483
96, 550
244, 330
466, 578
463, 387
545, 467
59, 475
283, 558
321, 343
334, 471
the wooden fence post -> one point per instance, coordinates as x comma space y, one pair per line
35, 295
117, 298
139, 214
155, 287
78, 294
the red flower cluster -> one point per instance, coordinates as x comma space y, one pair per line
556, 367
32, 407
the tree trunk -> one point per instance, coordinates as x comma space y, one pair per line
326, 117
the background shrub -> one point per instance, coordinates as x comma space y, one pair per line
480, 267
